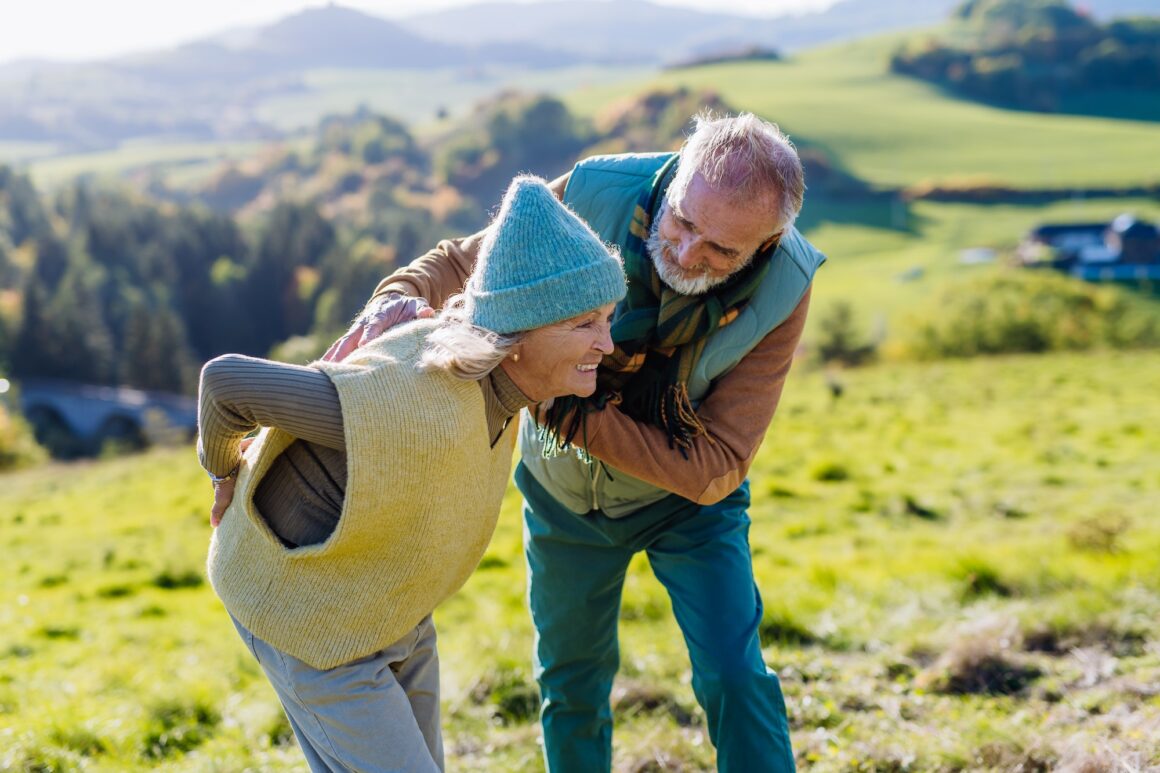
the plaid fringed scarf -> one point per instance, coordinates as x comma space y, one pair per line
659, 335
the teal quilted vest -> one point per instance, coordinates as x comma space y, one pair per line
604, 190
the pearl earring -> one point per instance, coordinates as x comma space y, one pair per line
515, 356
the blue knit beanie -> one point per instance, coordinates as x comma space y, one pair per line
539, 263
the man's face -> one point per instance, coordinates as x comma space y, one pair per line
702, 239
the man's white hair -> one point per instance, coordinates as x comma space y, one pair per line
748, 160
462, 349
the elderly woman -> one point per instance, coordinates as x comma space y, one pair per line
375, 485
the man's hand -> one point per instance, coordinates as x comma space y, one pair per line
392, 310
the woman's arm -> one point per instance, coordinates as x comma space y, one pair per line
238, 394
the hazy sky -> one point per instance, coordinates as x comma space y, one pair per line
91, 29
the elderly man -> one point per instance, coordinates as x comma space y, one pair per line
719, 284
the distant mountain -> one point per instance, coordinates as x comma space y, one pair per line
640, 31
212, 88
328, 36
208, 88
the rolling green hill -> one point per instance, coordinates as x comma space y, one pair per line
958, 558
896, 132
959, 576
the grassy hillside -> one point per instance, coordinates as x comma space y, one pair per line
418, 97
889, 130
131, 157
964, 575
960, 560
427, 100
886, 258
895, 131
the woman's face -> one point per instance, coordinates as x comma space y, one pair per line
561, 359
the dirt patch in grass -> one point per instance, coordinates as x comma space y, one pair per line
634, 697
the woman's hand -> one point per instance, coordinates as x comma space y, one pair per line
223, 494
223, 490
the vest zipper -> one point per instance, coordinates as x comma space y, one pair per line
596, 466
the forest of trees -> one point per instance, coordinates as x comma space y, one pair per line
1034, 54
107, 285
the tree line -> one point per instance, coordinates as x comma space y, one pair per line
272, 256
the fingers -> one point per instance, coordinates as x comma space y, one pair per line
394, 311
223, 494
340, 349
372, 330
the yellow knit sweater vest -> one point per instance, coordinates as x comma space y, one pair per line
423, 493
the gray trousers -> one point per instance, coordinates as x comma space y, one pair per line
376, 714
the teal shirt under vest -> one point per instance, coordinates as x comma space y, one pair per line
604, 190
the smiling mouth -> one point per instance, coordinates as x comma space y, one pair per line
586, 368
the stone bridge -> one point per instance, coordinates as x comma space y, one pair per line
72, 419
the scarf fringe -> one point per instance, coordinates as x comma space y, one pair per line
679, 419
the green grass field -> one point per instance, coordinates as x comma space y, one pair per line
136, 157
894, 131
960, 560
417, 97
937, 529
16, 151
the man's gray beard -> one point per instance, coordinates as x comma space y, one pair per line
656, 247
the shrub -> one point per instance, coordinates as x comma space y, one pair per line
81, 740
513, 696
829, 471
279, 732
1061, 637
637, 697
980, 579
1012, 311
982, 661
1098, 534
986, 673
170, 579
18, 447
779, 627
839, 340
175, 727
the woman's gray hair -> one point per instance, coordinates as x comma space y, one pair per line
462, 349
746, 158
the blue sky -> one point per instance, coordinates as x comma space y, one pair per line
73, 30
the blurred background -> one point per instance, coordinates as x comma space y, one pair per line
955, 509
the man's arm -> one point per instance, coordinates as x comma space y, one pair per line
736, 415
432, 277
436, 274
444, 270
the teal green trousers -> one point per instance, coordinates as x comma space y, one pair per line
700, 553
